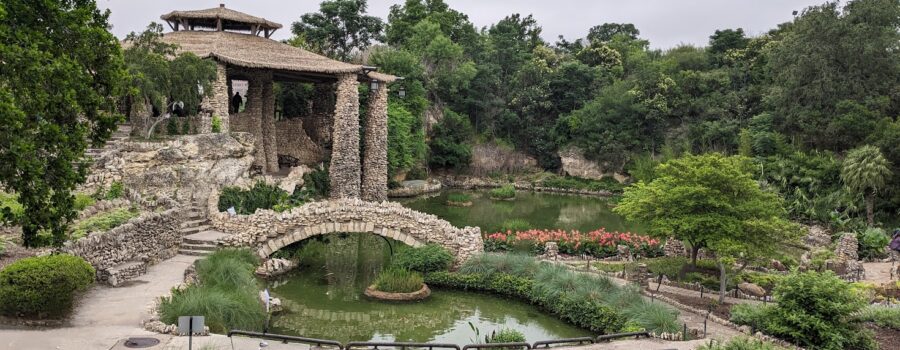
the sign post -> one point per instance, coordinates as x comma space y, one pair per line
187, 325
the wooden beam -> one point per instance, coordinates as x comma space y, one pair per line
270, 33
170, 25
218, 24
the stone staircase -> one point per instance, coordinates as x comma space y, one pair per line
123, 131
197, 238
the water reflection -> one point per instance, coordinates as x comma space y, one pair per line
540, 210
324, 300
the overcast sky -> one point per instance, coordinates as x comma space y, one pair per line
666, 23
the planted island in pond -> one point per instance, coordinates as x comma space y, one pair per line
506, 193
396, 284
459, 199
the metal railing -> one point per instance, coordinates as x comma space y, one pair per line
521, 345
608, 337
288, 338
401, 345
572, 341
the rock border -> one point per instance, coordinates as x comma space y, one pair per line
459, 204
421, 294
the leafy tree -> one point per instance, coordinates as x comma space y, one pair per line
158, 78
406, 139
453, 24
711, 201
60, 77
448, 146
723, 41
339, 29
866, 171
607, 31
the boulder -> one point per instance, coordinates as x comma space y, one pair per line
752, 289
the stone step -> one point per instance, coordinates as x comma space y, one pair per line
194, 252
193, 223
194, 245
195, 229
209, 237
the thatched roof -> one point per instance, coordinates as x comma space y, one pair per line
231, 19
251, 51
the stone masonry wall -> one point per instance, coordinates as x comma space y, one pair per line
375, 167
142, 241
267, 231
344, 172
293, 141
269, 145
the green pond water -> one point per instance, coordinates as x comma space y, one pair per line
324, 298
540, 210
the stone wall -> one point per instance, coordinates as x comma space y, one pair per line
125, 251
182, 169
375, 163
344, 172
575, 164
267, 231
490, 158
293, 141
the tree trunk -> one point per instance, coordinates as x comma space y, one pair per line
870, 208
723, 281
695, 250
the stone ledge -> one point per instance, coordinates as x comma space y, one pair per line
421, 294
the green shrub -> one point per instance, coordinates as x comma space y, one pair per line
116, 190
515, 225
505, 335
458, 198
260, 196
886, 317
43, 287
766, 280
83, 201
396, 280
425, 259
740, 343
503, 192
172, 127
186, 126
814, 311
317, 182
102, 222
10, 208
749, 314
872, 243
226, 294
668, 266
216, 124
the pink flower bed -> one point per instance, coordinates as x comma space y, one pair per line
598, 243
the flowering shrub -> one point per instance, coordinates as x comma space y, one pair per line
598, 243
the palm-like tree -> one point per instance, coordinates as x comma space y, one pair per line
866, 170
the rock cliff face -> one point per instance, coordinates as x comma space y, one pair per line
489, 158
574, 164
182, 169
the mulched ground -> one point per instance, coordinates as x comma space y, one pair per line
14, 252
721, 310
888, 339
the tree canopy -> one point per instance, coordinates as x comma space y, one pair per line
61, 75
340, 28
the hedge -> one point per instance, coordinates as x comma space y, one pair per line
44, 286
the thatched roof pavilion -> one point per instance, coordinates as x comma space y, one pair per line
233, 40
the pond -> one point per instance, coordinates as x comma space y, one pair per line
324, 299
541, 210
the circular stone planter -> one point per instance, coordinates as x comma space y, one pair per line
459, 204
414, 296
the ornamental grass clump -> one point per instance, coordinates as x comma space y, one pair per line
587, 301
226, 293
459, 199
505, 192
425, 259
398, 281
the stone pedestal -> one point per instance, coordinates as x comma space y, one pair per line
374, 180
344, 172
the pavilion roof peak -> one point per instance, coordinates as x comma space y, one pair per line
220, 18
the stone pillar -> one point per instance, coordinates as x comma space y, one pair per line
374, 180
218, 102
254, 111
344, 172
270, 144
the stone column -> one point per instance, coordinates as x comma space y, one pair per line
268, 123
344, 172
254, 111
374, 181
218, 102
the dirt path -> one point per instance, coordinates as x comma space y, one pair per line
105, 315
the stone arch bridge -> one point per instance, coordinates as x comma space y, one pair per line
267, 231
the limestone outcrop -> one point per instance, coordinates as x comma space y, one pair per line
575, 164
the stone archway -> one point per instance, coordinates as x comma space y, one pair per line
267, 231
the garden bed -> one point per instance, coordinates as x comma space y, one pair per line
887, 338
722, 310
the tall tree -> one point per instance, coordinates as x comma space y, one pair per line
60, 77
607, 31
711, 201
866, 171
454, 24
340, 28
